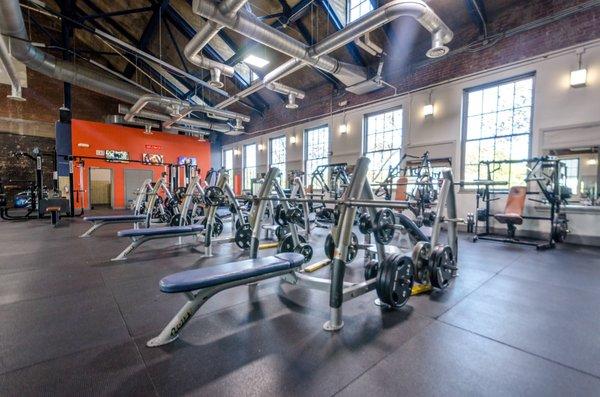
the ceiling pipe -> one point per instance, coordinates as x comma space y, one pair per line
299, 52
193, 50
13, 26
9, 66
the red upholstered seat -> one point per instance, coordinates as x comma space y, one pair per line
515, 203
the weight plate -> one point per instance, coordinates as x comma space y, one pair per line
279, 215
420, 257
287, 243
239, 224
217, 226
365, 226
306, 251
243, 236
214, 196
441, 266
294, 215
383, 227
352, 248
371, 269
281, 232
395, 280
175, 220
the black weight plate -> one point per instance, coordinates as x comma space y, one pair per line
281, 232
217, 226
279, 215
287, 243
294, 215
243, 236
175, 220
371, 270
383, 226
306, 251
365, 226
394, 285
441, 266
352, 248
213, 196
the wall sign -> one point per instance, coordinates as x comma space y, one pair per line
154, 147
182, 160
118, 156
154, 159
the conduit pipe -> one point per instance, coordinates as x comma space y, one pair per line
13, 26
7, 62
193, 49
316, 55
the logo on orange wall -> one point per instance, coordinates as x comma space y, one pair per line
154, 147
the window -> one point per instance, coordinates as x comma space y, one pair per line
382, 142
316, 149
572, 177
277, 157
358, 8
228, 163
249, 165
497, 126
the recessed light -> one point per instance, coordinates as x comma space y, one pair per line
256, 61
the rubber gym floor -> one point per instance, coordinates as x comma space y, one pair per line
515, 322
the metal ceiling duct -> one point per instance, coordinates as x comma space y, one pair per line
352, 76
193, 50
7, 62
13, 26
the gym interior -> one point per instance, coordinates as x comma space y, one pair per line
299, 197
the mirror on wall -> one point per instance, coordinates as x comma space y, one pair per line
582, 173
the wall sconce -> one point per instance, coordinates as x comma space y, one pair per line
343, 128
579, 76
428, 108
592, 162
148, 129
236, 152
293, 139
261, 147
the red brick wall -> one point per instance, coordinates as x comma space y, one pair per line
569, 31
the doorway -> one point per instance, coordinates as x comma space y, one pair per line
101, 192
133, 181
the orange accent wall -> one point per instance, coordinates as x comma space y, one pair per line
100, 136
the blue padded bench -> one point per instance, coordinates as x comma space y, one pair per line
101, 220
201, 284
140, 236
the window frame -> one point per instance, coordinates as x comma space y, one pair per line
578, 176
305, 159
465, 117
365, 133
283, 178
348, 9
245, 164
223, 165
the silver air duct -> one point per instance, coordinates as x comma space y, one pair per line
12, 25
292, 93
193, 49
12, 73
352, 76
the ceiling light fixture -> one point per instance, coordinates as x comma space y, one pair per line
256, 61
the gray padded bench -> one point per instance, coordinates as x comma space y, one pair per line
140, 236
199, 285
99, 221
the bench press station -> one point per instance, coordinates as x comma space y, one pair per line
395, 273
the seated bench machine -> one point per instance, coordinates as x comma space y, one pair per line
201, 284
144, 202
546, 172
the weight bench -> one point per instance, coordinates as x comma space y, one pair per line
99, 221
54, 215
200, 285
140, 236
513, 212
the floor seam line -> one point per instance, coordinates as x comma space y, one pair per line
521, 350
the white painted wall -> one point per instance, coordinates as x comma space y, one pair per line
555, 104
